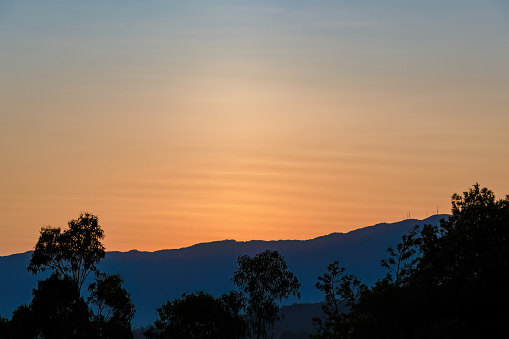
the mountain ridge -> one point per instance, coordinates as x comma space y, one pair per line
158, 276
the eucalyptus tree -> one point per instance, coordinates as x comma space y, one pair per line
58, 308
264, 279
72, 253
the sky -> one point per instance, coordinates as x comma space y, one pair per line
181, 122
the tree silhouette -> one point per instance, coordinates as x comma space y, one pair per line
196, 316
472, 243
450, 281
22, 324
233, 303
114, 309
341, 292
58, 309
73, 253
264, 279
465, 261
4, 327
402, 261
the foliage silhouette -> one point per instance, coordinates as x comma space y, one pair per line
113, 306
73, 253
403, 260
22, 324
264, 279
449, 281
341, 292
58, 310
466, 262
4, 327
198, 315
233, 303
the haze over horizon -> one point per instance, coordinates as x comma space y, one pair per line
186, 122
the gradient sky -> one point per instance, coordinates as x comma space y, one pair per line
179, 122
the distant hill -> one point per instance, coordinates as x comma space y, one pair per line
155, 277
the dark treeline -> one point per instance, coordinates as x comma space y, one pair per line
446, 281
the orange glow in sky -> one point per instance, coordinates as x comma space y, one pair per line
185, 122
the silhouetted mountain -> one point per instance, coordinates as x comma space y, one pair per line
155, 277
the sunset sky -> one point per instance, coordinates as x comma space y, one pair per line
179, 122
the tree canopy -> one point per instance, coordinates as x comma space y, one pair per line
446, 281
112, 307
341, 292
264, 279
58, 309
198, 316
72, 253
58, 312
